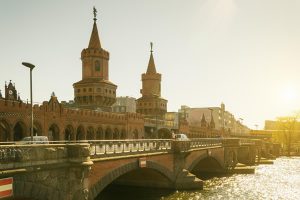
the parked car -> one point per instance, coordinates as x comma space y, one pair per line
181, 137
36, 140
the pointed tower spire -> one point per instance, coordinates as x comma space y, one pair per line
94, 40
151, 65
203, 121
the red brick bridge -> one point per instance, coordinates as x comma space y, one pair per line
83, 170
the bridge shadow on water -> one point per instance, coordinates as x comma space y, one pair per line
119, 192
209, 175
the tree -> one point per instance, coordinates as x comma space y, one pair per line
287, 125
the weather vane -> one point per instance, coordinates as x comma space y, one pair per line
151, 46
95, 13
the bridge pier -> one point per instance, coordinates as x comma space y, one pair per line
184, 180
247, 154
47, 171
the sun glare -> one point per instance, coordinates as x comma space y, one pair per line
289, 94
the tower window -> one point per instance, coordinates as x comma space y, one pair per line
97, 65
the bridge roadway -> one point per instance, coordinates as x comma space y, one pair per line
82, 169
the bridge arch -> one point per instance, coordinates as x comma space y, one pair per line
204, 162
116, 134
108, 134
100, 134
123, 134
4, 131
80, 135
69, 132
113, 175
53, 132
90, 135
19, 130
135, 134
37, 128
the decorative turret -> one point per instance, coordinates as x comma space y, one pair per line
95, 91
203, 121
151, 103
11, 92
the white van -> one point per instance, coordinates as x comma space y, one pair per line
36, 140
181, 137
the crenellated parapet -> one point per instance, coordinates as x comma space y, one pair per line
94, 52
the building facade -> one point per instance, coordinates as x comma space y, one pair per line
88, 117
212, 122
125, 104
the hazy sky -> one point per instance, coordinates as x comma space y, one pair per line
245, 53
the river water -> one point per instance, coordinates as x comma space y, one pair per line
278, 181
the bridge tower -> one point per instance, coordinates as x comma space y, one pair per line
151, 103
95, 91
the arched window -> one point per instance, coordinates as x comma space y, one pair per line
97, 66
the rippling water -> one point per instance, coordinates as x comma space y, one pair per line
278, 181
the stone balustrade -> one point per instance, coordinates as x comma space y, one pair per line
23, 156
110, 148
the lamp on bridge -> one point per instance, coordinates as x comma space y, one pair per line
30, 66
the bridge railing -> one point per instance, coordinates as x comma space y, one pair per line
17, 156
205, 142
247, 142
110, 148
195, 143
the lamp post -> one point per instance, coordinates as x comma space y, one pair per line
30, 66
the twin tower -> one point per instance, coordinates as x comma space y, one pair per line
96, 92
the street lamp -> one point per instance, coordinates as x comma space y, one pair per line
30, 66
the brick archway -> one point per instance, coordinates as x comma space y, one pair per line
80, 134
126, 168
116, 134
37, 128
53, 132
4, 131
69, 132
100, 134
108, 134
202, 157
123, 134
19, 131
90, 135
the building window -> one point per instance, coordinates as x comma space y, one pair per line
84, 90
90, 89
98, 89
78, 90
97, 66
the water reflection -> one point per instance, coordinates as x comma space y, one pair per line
278, 181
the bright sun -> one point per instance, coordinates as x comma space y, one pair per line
289, 94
